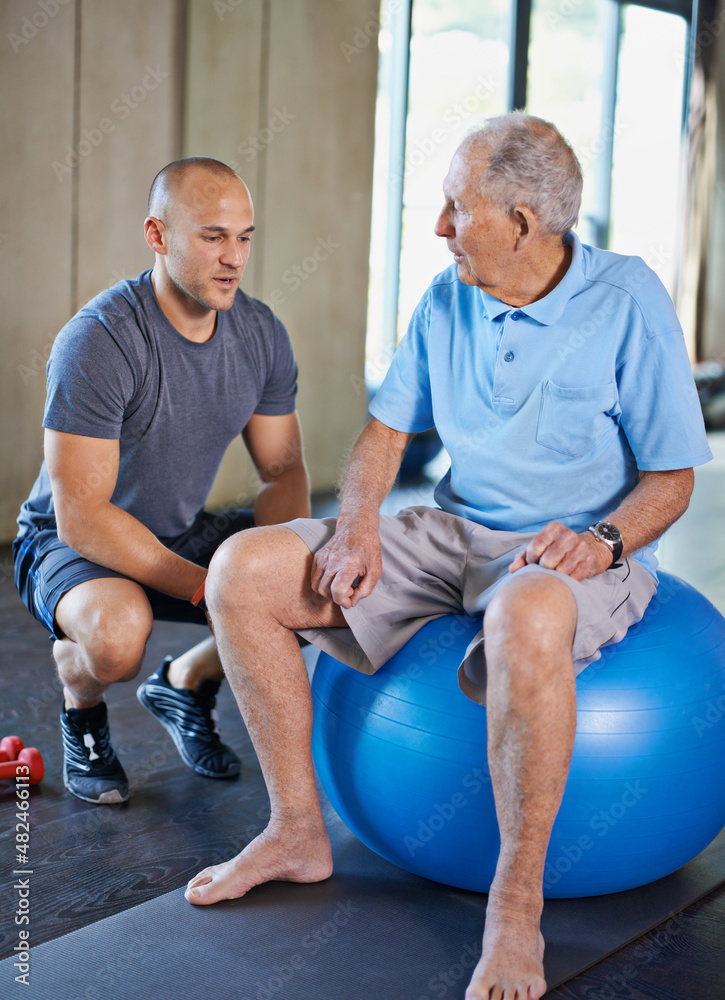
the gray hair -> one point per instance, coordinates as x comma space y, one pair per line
529, 162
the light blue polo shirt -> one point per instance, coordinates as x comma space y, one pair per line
548, 410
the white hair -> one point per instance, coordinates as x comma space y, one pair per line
529, 162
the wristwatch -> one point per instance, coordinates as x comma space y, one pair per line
605, 531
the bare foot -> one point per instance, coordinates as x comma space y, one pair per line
511, 966
275, 855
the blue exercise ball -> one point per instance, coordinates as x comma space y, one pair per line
402, 755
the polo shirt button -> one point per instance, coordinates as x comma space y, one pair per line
508, 356
516, 315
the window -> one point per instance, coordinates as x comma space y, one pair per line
611, 76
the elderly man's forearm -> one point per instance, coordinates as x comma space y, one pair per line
371, 471
656, 502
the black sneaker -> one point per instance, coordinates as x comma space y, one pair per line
91, 769
190, 719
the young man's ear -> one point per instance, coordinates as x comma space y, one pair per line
154, 232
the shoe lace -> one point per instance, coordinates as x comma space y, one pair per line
207, 710
98, 743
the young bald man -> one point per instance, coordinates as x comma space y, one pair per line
147, 386
557, 377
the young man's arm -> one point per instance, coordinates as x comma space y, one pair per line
275, 445
83, 473
353, 553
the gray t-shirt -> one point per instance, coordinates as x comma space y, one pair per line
119, 370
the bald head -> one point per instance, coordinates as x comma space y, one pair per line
524, 160
199, 225
194, 180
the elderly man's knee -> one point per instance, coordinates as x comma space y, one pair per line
536, 608
240, 567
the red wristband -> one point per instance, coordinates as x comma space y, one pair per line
199, 595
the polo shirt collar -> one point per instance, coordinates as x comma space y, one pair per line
548, 310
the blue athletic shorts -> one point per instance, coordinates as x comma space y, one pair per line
46, 569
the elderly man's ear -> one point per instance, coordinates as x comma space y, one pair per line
525, 225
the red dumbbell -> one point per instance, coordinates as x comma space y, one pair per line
10, 747
13, 753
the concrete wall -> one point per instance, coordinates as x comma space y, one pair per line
99, 94
36, 222
300, 130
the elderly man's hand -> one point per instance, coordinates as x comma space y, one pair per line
558, 547
348, 567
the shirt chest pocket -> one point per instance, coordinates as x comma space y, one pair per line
573, 421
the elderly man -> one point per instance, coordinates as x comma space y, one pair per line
147, 386
557, 377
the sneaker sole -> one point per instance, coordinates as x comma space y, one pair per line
179, 744
112, 797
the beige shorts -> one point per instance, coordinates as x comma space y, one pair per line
435, 563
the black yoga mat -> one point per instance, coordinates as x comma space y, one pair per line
371, 930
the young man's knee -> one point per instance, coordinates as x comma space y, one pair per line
115, 649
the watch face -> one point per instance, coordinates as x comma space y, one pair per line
608, 531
